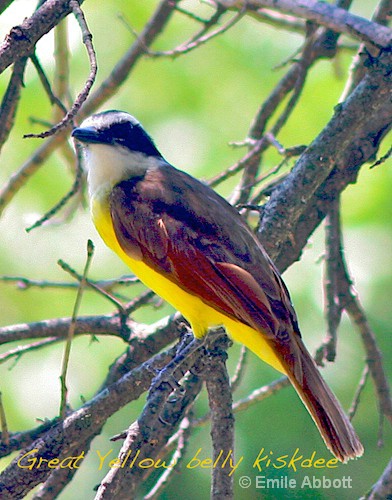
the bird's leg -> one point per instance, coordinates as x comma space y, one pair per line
166, 375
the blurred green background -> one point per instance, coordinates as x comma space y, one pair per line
193, 106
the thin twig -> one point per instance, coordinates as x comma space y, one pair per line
191, 15
71, 332
46, 84
342, 296
264, 176
333, 258
87, 40
316, 46
68, 269
373, 354
28, 169
197, 42
279, 20
293, 82
5, 437
207, 24
383, 158
10, 101
17, 352
236, 379
357, 396
350, 302
359, 68
143, 299
34, 121
214, 19
237, 167
75, 188
24, 283
181, 438
61, 61
261, 393
268, 188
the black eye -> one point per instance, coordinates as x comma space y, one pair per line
121, 132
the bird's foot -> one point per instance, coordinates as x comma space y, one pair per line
166, 374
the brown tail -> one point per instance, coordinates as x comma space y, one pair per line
333, 424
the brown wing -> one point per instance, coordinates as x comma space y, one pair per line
186, 231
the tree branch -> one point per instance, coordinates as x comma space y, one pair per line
10, 100
21, 40
322, 13
80, 426
222, 421
354, 135
382, 489
148, 436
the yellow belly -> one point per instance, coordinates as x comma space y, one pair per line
200, 315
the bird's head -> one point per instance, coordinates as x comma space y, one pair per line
115, 148
118, 129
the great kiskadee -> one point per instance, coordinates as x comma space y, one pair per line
190, 246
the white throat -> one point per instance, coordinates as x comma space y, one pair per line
108, 165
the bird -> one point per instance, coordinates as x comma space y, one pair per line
194, 249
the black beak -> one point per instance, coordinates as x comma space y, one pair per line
86, 135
